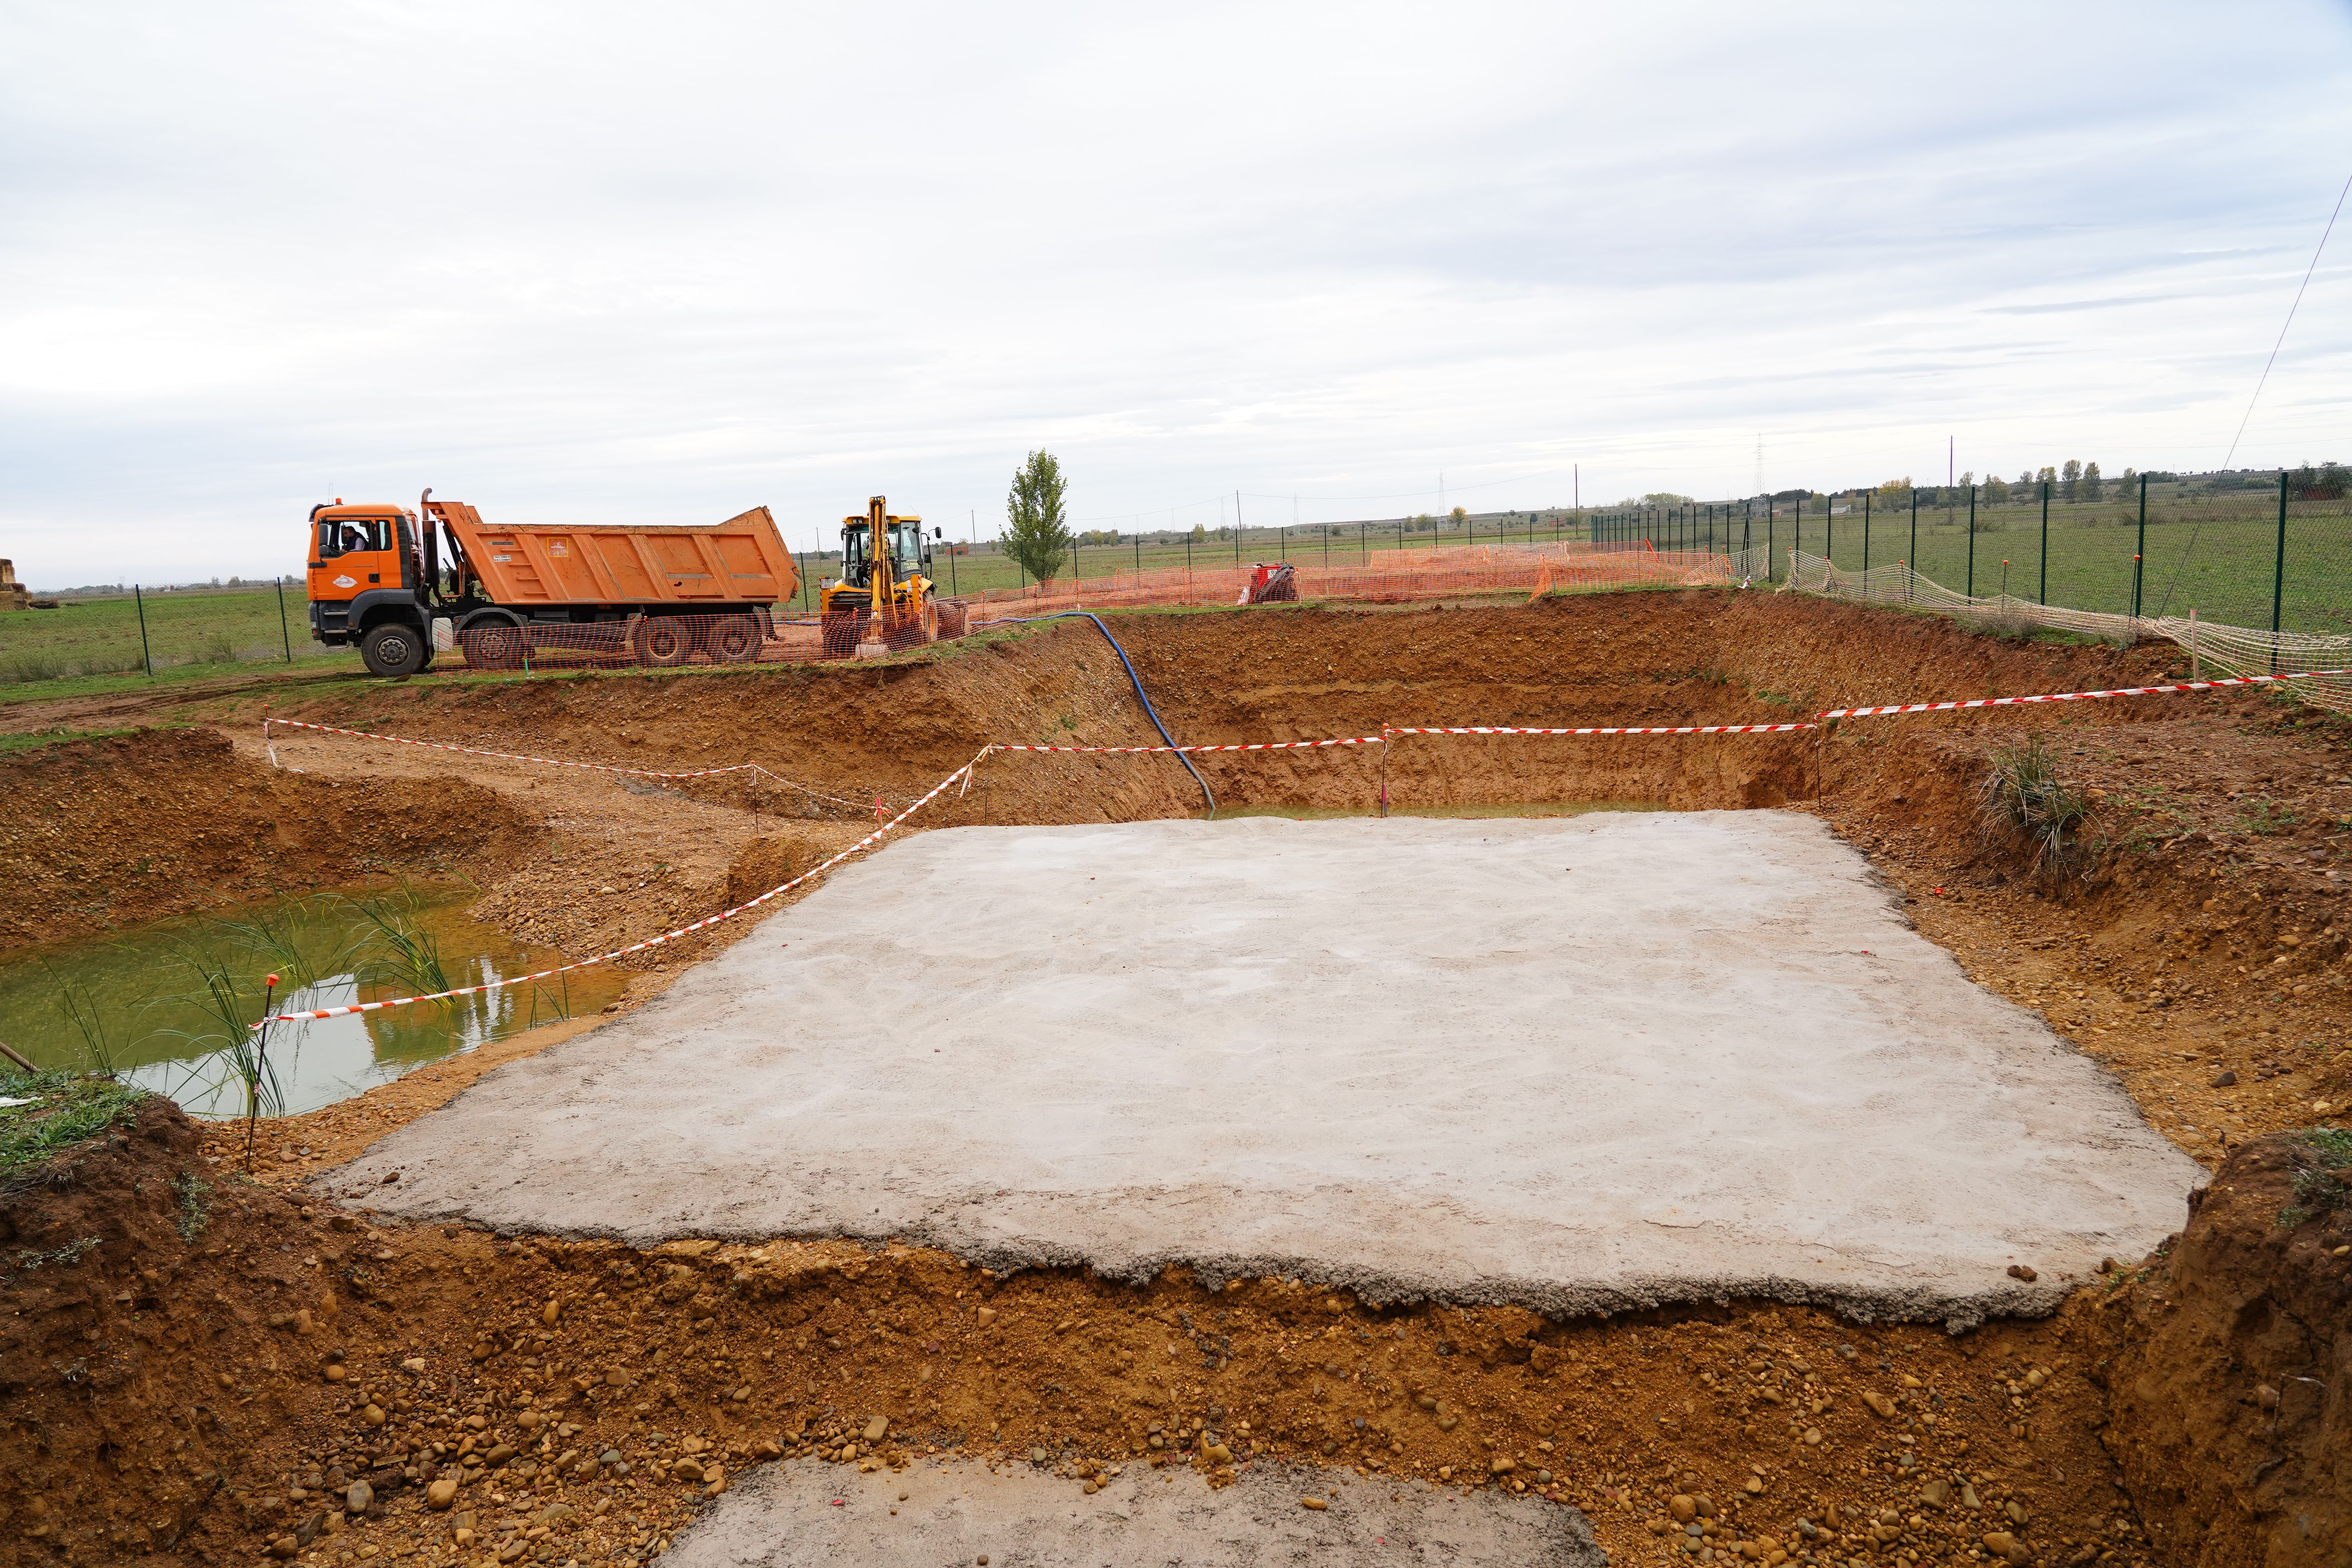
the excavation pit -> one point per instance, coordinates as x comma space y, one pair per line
1578, 1064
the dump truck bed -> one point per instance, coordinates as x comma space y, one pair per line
740, 560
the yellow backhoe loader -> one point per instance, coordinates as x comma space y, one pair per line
882, 594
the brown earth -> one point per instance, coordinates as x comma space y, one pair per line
2198, 945
212, 1375
2229, 1395
99, 833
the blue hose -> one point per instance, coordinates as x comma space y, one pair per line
1132, 676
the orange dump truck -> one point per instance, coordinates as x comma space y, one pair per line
379, 578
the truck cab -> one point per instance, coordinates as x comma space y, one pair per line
366, 583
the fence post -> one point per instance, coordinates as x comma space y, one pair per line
2278, 569
1829, 529
1972, 541
1771, 538
2139, 555
147, 656
1865, 547
283, 631
1915, 545
2044, 597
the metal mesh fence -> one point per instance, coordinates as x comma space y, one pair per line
2271, 556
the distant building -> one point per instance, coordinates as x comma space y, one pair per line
13, 596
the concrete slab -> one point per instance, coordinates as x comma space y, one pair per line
1579, 1064
959, 1511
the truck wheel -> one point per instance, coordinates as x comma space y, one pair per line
492, 648
663, 642
734, 640
393, 649
841, 634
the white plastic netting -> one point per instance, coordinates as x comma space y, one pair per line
2212, 647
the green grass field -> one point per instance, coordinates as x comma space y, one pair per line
2218, 560
2215, 554
188, 626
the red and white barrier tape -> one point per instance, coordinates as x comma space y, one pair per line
2083, 696
1252, 746
962, 773
1598, 730
553, 762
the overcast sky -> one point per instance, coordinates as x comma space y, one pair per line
660, 263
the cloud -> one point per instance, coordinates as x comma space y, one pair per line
607, 262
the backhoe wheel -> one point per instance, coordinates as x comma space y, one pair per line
734, 640
840, 633
954, 620
663, 642
494, 646
901, 632
393, 650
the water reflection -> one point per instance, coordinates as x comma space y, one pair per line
167, 1005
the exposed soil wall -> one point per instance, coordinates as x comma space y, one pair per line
99, 833
2233, 1395
203, 1378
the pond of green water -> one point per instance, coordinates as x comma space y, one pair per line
166, 1006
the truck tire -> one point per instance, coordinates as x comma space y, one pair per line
842, 632
734, 640
492, 646
663, 641
393, 649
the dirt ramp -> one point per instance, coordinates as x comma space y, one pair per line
2234, 1403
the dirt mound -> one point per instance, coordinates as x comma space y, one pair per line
2233, 1398
136, 1360
204, 1396
109, 833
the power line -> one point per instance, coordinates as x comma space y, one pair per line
2288, 322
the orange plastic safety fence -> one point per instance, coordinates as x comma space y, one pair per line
1378, 576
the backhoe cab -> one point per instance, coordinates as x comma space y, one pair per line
882, 594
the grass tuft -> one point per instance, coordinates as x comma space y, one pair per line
73, 1108
2322, 1156
2023, 794
196, 1204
